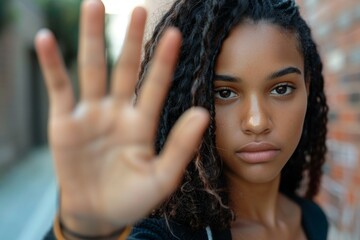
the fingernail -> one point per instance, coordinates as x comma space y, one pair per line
44, 32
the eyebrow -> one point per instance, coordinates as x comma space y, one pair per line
277, 74
283, 72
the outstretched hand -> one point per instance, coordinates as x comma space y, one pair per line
103, 146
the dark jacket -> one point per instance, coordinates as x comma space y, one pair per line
314, 223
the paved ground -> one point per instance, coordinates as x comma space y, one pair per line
28, 198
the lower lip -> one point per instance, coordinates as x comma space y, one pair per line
257, 157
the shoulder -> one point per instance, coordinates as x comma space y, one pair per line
312, 212
314, 220
160, 229
150, 228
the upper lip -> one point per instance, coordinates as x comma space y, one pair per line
258, 147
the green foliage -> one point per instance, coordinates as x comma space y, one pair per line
62, 18
5, 13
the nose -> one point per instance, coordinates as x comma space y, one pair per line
256, 119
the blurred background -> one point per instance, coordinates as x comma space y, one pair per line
27, 183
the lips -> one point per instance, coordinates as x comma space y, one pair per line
257, 152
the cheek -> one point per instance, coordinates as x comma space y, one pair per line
292, 123
225, 124
220, 124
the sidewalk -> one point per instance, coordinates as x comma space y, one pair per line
28, 197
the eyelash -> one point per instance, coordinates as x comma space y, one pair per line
289, 90
287, 86
218, 91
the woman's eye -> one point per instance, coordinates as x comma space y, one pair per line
224, 94
284, 89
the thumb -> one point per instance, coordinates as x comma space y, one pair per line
183, 141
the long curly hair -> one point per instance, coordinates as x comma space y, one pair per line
202, 198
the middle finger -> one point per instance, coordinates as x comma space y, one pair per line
126, 71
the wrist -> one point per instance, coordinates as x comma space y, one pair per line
87, 230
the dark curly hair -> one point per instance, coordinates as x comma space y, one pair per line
202, 199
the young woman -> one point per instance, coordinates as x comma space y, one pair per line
236, 168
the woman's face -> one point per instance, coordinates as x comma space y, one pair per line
261, 99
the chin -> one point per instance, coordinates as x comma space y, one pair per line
256, 174
261, 178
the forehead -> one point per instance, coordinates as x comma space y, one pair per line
254, 45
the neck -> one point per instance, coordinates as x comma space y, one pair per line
255, 202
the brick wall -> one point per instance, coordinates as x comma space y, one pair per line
336, 28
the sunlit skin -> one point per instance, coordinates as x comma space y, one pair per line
261, 99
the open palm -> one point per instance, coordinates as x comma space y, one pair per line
103, 146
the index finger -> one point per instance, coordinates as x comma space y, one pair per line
158, 82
